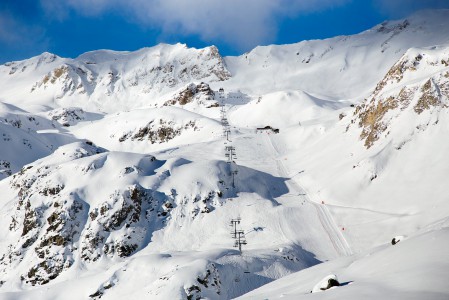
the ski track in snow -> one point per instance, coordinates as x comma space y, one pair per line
336, 237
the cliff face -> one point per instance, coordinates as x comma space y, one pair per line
411, 96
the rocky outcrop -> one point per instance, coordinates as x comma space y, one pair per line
68, 79
5, 168
129, 212
67, 116
209, 280
201, 93
63, 211
158, 132
405, 89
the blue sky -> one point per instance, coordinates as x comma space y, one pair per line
71, 27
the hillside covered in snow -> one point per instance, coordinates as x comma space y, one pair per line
142, 174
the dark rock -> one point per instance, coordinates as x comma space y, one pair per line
330, 283
397, 239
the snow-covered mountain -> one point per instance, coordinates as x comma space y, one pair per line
113, 81
344, 67
109, 80
121, 172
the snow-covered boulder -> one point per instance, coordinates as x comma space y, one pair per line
326, 283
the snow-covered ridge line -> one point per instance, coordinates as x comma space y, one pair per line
106, 80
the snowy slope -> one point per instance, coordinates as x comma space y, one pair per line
26, 137
343, 67
64, 222
148, 130
291, 107
379, 169
416, 268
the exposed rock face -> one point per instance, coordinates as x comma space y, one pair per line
69, 80
201, 93
429, 96
128, 212
67, 116
396, 73
49, 222
52, 224
158, 132
386, 27
209, 280
212, 53
91, 79
402, 92
102, 289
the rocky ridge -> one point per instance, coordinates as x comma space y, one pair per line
416, 87
94, 82
200, 93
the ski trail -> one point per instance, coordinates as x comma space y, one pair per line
336, 237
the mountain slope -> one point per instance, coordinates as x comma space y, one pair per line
26, 137
379, 168
112, 81
105, 80
316, 153
413, 269
343, 67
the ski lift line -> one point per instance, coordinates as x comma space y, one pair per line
238, 234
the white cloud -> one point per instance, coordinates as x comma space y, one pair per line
240, 23
230, 21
